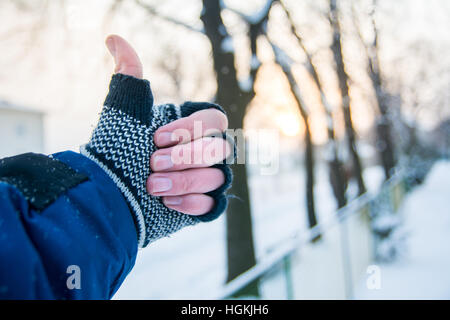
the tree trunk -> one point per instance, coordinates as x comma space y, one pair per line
385, 144
240, 247
309, 166
309, 148
343, 78
337, 178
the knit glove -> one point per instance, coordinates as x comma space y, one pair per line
122, 144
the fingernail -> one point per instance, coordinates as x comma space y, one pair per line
111, 46
172, 201
164, 138
160, 184
162, 162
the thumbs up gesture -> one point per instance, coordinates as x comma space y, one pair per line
163, 158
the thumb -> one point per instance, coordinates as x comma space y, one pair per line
125, 58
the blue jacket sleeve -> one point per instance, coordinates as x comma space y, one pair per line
80, 246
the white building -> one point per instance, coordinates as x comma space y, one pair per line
21, 129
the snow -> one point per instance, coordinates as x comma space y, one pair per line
423, 271
282, 58
246, 84
222, 30
366, 150
191, 264
227, 45
260, 14
254, 62
257, 17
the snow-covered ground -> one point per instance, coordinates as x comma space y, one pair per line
191, 264
423, 271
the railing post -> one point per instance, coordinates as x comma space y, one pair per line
397, 195
346, 261
288, 277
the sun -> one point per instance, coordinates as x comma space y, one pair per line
288, 123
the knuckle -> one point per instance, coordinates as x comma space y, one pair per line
185, 183
185, 130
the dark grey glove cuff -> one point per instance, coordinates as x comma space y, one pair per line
122, 144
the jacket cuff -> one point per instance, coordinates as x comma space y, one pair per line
130, 95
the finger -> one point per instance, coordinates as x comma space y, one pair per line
200, 180
125, 58
193, 204
200, 153
195, 126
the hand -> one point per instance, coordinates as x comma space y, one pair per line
182, 185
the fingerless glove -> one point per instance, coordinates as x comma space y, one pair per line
122, 144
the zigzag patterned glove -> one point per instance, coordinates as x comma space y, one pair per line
122, 144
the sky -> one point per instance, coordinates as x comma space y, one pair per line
56, 60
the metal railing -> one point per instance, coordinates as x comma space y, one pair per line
347, 243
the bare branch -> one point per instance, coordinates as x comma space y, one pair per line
151, 10
258, 17
312, 70
357, 27
286, 65
257, 26
310, 66
285, 62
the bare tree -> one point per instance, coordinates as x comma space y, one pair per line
240, 247
235, 98
343, 78
337, 175
383, 125
285, 63
309, 146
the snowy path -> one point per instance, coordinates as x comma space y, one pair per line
191, 264
424, 270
